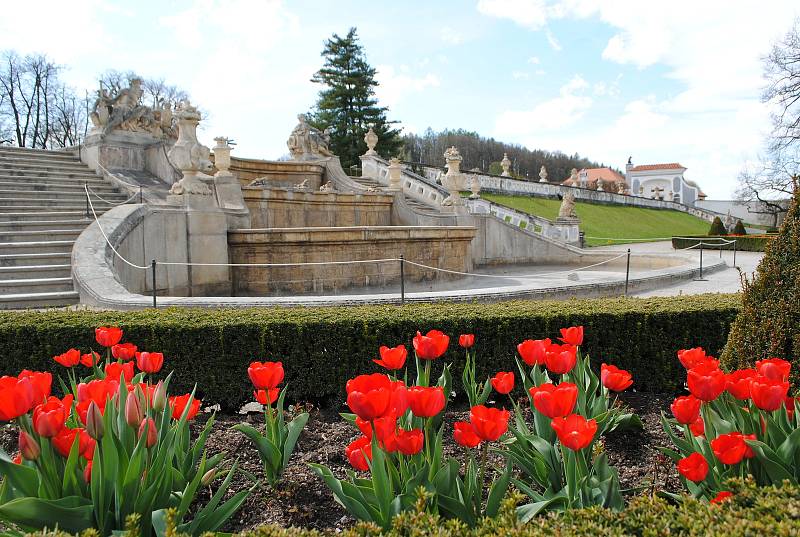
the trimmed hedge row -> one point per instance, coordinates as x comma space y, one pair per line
752, 511
323, 347
744, 243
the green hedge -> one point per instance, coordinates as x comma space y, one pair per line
744, 243
323, 347
768, 511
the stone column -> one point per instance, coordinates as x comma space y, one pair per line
395, 170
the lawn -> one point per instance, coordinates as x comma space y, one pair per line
611, 221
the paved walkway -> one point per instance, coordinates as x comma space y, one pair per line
722, 281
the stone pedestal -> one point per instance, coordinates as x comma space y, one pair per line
568, 229
227, 188
118, 149
395, 169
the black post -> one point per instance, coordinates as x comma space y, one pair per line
140, 195
627, 271
153, 264
734, 253
701, 260
402, 280
86, 189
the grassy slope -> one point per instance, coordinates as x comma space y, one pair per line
611, 220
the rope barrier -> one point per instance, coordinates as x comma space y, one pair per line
91, 206
116, 204
309, 263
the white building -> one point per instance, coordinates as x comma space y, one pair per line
662, 181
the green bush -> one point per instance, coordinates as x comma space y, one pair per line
768, 323
717, 227
323, 347
739, 228
748, 243
752, 511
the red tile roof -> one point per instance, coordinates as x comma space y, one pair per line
667, 166
593, 174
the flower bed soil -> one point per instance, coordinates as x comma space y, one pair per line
302, 499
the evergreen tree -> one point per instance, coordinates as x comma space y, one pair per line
347, 104
739, 229
717, 228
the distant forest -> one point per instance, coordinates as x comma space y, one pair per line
486, 154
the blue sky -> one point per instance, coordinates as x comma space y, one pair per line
662, 81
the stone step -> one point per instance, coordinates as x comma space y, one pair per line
71, 203
26, 162
91, 180
37, 225
45, 171
36, 285
48, 185
27, 272
36, 247
43, 214
28, 152
38, 300
39, 235
24, 260
61, 195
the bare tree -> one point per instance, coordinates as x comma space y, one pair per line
782, 72
156, 93
767, 186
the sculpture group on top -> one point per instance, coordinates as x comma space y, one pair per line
124, 112
307, 142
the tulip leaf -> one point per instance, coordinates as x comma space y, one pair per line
72, 513
352, 504
526, 512
771, 461
497, 492
789, 447
23, 478
294, 429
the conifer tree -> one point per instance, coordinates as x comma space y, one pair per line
347, 103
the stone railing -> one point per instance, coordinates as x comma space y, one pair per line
415, 186
566, 232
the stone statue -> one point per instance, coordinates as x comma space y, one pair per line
125, 112
620, 188
543, 175
328, 187
567, 209
188, 155
307, 142
730, 222
454, 181
599, 185
506, 165
371, 139
573, 177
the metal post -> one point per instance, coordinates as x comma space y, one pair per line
734, 253
402, 279
153, 264
627, 271
140, 195
701, 261
720, 249
86, 189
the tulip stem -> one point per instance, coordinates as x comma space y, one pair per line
484, 454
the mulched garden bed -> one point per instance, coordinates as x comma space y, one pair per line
302, 499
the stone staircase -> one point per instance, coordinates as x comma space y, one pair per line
411, 202
43, 209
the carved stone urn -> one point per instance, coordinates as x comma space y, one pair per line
506, 165
371, 139
188, 155
454, 181
543, 175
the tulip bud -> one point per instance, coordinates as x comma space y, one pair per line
133, 410
160, 397
94, 421
28, 447
208, 477
87, 472
148, 426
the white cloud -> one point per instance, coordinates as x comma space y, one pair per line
530, 13
551, 39
451, 36
551, 115
520, 75
394, 86
534, 60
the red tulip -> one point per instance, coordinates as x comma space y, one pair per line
392, 358
149, 362
464, 434
67, 437
178, 404
560, 359
572, 335
398, 400
489, 423
87, 473
706, 381
686, 409
574, 432
729, 448
267, 397
16, 397
790, 402
71, 358
40, 383
49, 417
426, 402
533, 351
432, 345
115, 371
133, 411
466, 340
503, 382
265, 375
694, 467
90, 359
359, 452
738, 383
385, 426
409, 442
698, 427
554, 401
94, 421
725, 495
86, 444
692, 357
768, 394
124, 351
108, 336
148, 427
28, 447
614, 378
774, 368
368, 396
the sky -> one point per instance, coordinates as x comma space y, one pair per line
678, 81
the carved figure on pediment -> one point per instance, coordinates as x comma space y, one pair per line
307, 142
125, 112
567, 208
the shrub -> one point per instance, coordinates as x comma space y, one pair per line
739, 228
767, 325
748, 243
717, 227
323, 347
